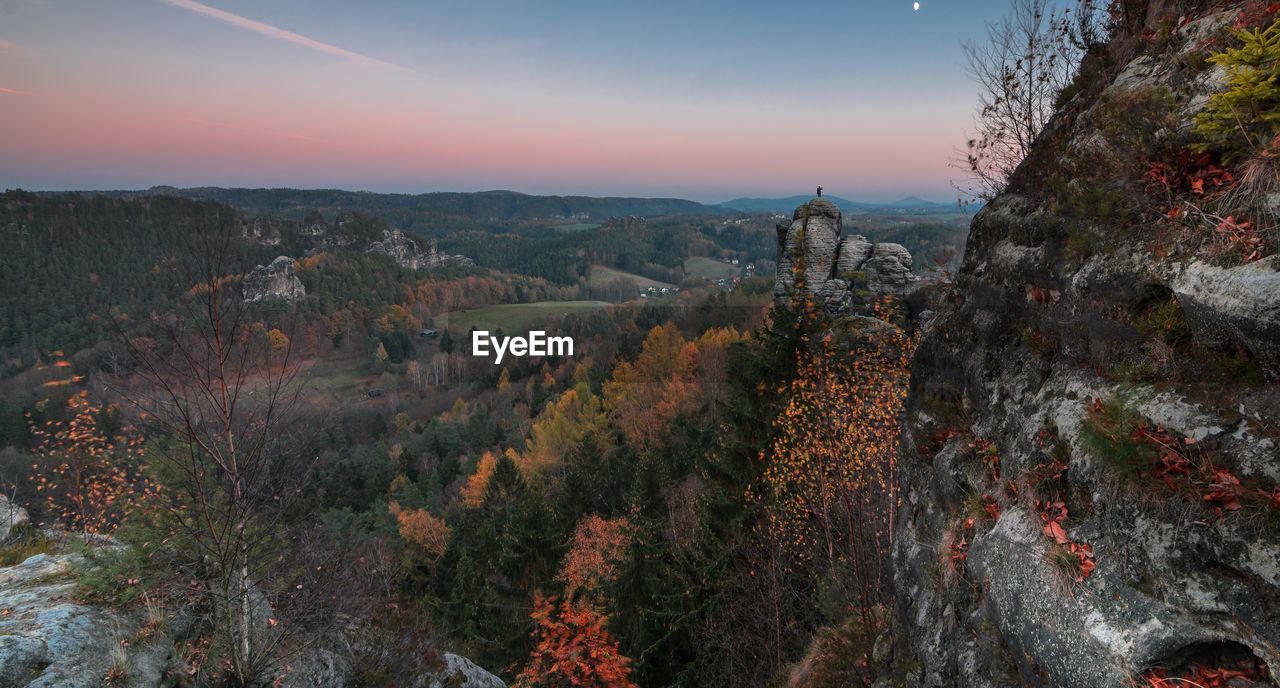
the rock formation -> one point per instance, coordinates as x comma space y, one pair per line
47, 640
814, 260
406, 251
279, 280
1088, 386
463, 673
263, 230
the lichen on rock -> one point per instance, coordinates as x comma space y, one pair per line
1066, 306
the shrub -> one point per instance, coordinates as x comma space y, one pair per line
1110, 433
25, 541
1165, 321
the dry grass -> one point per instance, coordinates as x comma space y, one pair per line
1253, 194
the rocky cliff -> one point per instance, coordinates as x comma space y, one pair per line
279, 280
814, 260
409, 254
1090, 460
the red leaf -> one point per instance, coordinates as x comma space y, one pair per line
1055, 531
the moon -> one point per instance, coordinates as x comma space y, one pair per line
917, 6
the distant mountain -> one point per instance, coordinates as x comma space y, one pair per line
780, 205
423, 212
915, 202
788, 204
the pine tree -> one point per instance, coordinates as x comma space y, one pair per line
1247, 115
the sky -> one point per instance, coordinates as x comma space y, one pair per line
705, 100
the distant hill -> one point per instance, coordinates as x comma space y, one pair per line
431, 213
789, 204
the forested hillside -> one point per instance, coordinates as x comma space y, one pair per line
433, 212
640, 495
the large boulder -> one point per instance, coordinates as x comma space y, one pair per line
854, 252
48, 640
460, 672
889, 270
279, 280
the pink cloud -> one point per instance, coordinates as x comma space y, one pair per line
16, 92
282, 34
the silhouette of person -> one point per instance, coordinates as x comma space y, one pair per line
819, 192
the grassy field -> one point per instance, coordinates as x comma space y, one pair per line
515, 317
601, 275
710, 268
580, 227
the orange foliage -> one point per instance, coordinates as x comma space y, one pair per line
828, 489
473, 491
598, 547
93, 482
419, 527
574, 649
277, 339
669, 376
1249, 672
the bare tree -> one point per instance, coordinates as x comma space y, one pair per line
215, 393
1028, 59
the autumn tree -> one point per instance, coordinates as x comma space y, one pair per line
474, 489
574, 649
216, 393
1028, 59
669, 376
829, 488
91, 477
420, 528
562, 424
599, 546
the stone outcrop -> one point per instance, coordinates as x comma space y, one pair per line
279, 280
461, 672
263, 230
1241, 302
813, 259
49, 640
807, 247
888, 269
408, 254
1061, 310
